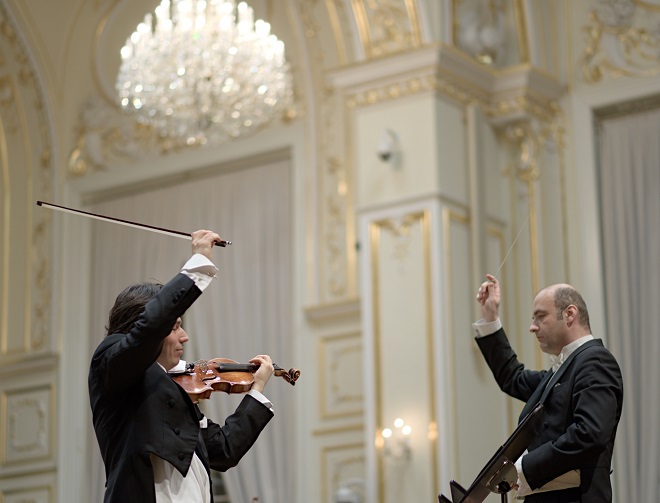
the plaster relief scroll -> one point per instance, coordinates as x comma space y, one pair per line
622, 39
341, 369
27, 435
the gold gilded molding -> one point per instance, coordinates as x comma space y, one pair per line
106, 136
555, 133
26, 137
520, 102
98, 33
6, 212
334, 311
413, 15
336, 215
38, 403
340, 429
401, 227
407, 87
38, 413
330, 365
521, 28
336, 262
627, 108
449, 216
325, 454
527, 171
11, 123
387, 26
543, 110
336, 13
648, 5
530, 141
374, 240
621, 40
31, 494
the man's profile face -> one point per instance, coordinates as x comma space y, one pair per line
551, 333
173, 346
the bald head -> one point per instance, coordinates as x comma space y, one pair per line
565, 295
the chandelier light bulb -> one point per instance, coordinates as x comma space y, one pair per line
203, 71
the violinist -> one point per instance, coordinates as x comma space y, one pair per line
156, 444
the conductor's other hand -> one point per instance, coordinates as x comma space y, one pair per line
488, 296
263, 373
203, 242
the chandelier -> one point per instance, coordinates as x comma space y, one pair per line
199, 72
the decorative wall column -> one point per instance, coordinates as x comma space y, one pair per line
435, 211
28, 361
538, 216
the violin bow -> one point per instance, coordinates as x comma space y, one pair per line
128, 223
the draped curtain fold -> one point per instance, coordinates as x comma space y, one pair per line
629, 182
245, 312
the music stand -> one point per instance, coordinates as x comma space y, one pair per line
500, 474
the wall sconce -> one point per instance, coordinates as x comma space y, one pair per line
388, 147
396, 442
350, 491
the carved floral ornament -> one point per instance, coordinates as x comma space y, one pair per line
106, 136
623, 39
23, 109
500, 109
529, 142
387, 26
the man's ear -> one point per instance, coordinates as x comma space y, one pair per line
571, 314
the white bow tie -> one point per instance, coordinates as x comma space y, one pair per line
556, 361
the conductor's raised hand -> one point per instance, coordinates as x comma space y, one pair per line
488, 296
203, 242
263, 373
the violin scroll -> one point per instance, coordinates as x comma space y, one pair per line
290, 376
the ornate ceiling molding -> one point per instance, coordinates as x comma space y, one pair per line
622, 39
387, 26
506, 96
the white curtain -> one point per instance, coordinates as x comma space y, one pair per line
630, 201
245, 312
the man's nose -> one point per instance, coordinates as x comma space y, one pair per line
183, 337
533, 328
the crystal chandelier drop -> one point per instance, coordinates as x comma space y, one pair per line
197, 74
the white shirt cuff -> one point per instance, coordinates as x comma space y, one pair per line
567, 480
259, 396
484, 328
201, 270
523, 486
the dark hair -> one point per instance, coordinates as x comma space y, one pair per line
129, 305
564, 297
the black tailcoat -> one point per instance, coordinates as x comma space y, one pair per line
137, 409
582, 406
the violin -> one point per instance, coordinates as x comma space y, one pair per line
203, 377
